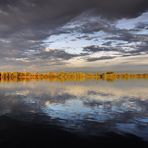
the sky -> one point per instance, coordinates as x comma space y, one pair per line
74, 35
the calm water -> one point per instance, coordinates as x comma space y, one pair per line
91, 108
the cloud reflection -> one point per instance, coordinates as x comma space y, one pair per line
99, 107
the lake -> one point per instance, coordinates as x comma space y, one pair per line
41, 113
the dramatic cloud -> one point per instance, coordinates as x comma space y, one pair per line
55, 34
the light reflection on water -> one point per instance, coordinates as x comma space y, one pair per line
95, 106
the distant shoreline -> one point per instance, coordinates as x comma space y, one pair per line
68, 76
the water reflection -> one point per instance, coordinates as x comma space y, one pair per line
89, 107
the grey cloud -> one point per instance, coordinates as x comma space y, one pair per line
123, 36
98, 59
95, 48
55, 54
139, 49
17, 15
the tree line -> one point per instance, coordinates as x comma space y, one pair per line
69, 76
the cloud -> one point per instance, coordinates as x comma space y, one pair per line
101, 58
72, 30
55, 54
38, 14
95, 48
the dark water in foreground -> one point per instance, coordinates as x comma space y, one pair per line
74, 113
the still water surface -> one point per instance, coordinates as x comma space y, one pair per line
89, 108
